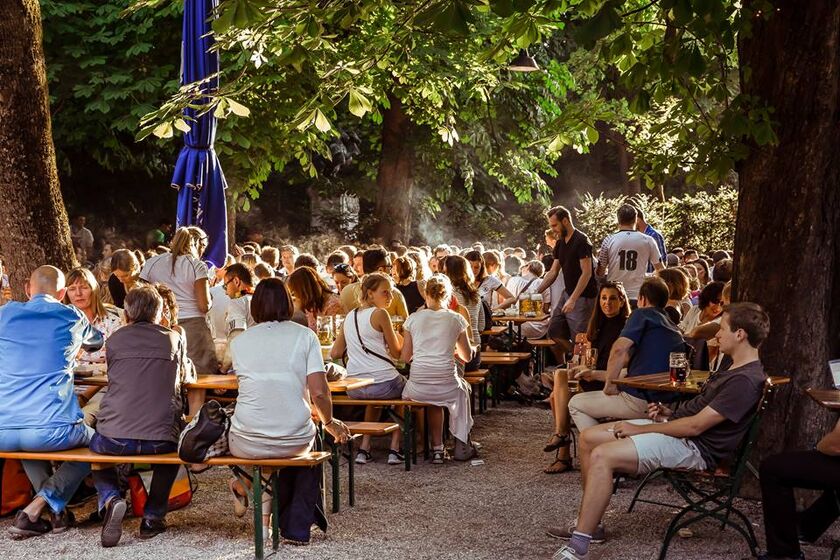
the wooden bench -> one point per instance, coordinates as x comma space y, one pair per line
357, 429
494, 331
540, 345
311, 459
406, 422
518, 355
478, 380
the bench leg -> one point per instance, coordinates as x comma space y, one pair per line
426, 443
336, 491
275, 510
413, 437
482, 397
258, 527
351, 473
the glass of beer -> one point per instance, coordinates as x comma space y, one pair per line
590, 357
397, 321
678, 367
325, 332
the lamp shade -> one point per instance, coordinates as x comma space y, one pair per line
523, 63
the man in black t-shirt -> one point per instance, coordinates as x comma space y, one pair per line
704, 431
573, 255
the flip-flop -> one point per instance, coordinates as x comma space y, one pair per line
240, 501
559, 466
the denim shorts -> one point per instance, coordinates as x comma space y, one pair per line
391, 389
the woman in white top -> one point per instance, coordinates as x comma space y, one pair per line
458, 270
434, 337
708, 308
488, 284
368, 337
280, 371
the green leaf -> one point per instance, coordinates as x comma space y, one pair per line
602, 24
182, 125
592, 135
163, 130
359, 104
238, 109
321, 121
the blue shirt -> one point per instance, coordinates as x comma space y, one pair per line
660, 242
39, 341
654, 337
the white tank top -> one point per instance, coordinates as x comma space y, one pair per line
360, 363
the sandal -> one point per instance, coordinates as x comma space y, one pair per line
559, 466
556, 442
240, 500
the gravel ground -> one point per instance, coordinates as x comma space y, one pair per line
495, 510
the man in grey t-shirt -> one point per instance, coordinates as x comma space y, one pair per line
706, 429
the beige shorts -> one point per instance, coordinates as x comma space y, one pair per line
660, 451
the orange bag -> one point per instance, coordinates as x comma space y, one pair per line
179, 496
15, 488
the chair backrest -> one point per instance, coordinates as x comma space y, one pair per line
742, 454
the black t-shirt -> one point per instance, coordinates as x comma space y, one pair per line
569, 254
607, 335
413, 298
117, 291
734, 395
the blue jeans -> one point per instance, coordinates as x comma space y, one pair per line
106, 481
57, 489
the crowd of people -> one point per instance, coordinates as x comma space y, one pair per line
160, 317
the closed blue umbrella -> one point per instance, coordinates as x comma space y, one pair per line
198, 174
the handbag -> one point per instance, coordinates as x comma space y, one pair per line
206, 436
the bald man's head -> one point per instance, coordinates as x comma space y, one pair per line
47, 280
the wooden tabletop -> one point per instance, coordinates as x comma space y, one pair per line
229, 382
662, 382
519, 318
829, 398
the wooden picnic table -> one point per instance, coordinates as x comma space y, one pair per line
517, 320
828, 398
229, 382
662, 382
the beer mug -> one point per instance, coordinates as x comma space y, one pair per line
325, 332
678, 367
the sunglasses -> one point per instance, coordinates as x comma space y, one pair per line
343, 268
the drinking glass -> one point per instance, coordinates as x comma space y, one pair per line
678, 363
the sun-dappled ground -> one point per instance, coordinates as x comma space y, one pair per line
495, 510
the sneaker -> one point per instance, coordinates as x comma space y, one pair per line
438, 456
153, 527
23, 527
395, 457
565, 533
62, 521
569, 553
363, 457
112, 524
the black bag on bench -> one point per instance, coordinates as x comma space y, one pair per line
206, 436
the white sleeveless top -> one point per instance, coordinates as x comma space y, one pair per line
360, 363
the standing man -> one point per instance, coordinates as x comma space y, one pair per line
81, 236
644, 227
572, 254
39, 341
627, 254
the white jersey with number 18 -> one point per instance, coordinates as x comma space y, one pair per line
626, 254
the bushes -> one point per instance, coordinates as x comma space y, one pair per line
703, 221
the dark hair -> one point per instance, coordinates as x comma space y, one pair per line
271, 301
752, 318
626, 215
337, 257
305, 259
346, 270
310, 289
597, 319
476, 256
169, 302
547, 261
271, 256
655, 291
372, 259
719, 255
460, 274
677, 282
125, 260
242, 272
704, 265
559, 212
723, 270
405, 268
512, 265
711, 292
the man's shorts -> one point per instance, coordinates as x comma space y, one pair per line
661, 451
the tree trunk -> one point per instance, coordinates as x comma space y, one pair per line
395, 179
625, 160
32, 214
787, 240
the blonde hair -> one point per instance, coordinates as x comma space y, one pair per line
185, 242
438, 288
84, 275
371, 282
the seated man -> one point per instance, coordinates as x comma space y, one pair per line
142, 411
39, 341
645, 344
700, 434
815, 469
239, 287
